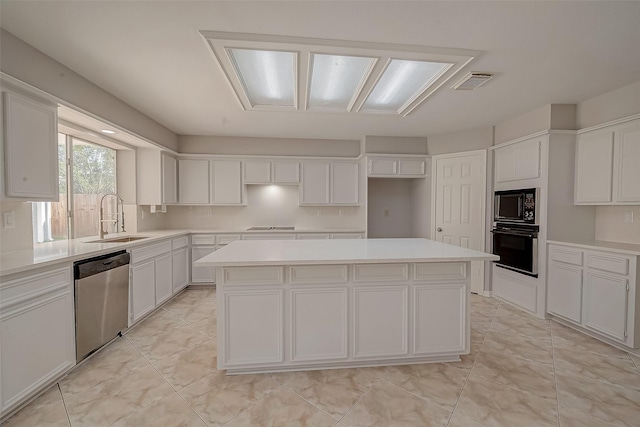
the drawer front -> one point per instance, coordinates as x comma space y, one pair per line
381, 272
566, 255
318, 274
225, 239
203, 239
347, 236
313, 236
445, 271
180, 242
141, 254
269, 237
27, 287
608, 262
253, 275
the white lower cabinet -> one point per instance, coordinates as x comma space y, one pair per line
202, 274
143, 290
595, 290
180, 264
439, 318
164, 278
37, 334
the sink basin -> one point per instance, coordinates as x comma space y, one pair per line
124, 239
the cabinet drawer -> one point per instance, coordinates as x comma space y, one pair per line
225, 239
448, 271
180, 242
141, 254
566, 255
313, 236
347, 236
33, 285
318, 274
381, 272
253, 275
203, 239
269, 237
608, 262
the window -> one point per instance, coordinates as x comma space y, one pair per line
87, 171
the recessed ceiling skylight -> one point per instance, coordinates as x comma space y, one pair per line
401, 83
336, 80
278, 73
268, 77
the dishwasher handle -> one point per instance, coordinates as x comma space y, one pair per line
97, 265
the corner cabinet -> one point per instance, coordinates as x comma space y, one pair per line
596, 290
30, 126
37, 333
330, 184
156, 177
519, 161
607, 160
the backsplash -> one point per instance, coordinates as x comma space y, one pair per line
20, 237
611, 226
267, 205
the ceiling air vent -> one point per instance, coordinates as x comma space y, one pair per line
472, 81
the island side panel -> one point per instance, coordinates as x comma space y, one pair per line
299, 317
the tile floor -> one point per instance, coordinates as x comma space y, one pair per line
522, 371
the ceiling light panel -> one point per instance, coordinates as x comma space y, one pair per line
336, 80
268, 77
401, 83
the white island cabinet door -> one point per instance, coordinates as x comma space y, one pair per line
439, 318
594, 167
605, 305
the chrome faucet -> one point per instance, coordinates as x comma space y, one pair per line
101, 219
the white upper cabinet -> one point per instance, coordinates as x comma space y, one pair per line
156, 177
397, 167
226, 182
326, 183
607, 171
31, 148
193, 182
265, 172
518, 161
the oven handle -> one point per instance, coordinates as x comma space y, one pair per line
513, 233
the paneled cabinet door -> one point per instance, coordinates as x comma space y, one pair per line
564, 291
180, 270
383, 167
605, 304
164, 278
518, 161
256, 172
315, 184
628, 171
193, 182
285, 172
31, 148
202, 274
169, 180
411, 167
344, 183
594, 167
439, 323
226, 182
143, 289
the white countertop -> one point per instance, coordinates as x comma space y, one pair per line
603, 245
287, 252
47, 254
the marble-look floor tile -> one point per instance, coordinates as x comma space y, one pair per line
206, 310
386, 405
160, 346
468, 360
375, 371
457, 421
46, 411
538, 329
479, 331
480, 317
515, 372
161, 322
334, 390
203, 292
117, 398
573, 418
188, 366
208, 327
622, 372
169, 411
218, 397
608, 402
439, 382
540, 351
509, 311
495, 405
566, 337
636, 360
478, 301
282, 408
118, 359
182, 307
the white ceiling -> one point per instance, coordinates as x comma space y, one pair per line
151, 55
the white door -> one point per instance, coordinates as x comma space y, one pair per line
458, 208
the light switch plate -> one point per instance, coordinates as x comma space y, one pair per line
628, 217
9, 219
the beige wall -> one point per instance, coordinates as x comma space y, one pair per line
25, 63
610, 224
617, 104
20, 237
394, 145
199, 144
476, 139
550, 116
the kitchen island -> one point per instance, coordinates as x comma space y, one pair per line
317, 304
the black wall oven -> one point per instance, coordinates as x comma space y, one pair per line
517, 246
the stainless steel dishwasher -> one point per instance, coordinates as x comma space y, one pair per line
102, 300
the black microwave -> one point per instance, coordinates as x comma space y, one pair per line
515, 206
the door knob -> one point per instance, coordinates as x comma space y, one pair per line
439, 229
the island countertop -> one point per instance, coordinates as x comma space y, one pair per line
274, 252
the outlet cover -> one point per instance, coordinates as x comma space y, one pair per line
9, 219
628, 217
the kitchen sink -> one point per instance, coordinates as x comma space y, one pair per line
270, 228
124, 239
